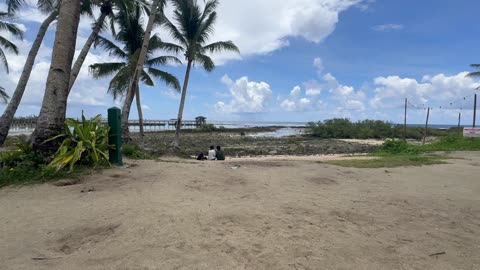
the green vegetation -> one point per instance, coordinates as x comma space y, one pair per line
24, 166
84, 142
340, 128
345, 129
398, 153
389, 161
452, 143
133, 151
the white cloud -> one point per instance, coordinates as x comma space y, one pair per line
170, 94
247, 96
318, 64
347, 97
390, 91
261, 27
388, 27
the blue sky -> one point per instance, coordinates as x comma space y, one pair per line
305, 60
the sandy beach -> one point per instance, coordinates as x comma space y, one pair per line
248, 214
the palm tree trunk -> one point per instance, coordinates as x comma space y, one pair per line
86, 47
51, 120
140, 115
9, 113
127, 104
140, 61
176, 141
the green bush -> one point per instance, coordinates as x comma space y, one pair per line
345, 129
397, 147
134, 152
84, 142
208, 128
453, 143
22, 156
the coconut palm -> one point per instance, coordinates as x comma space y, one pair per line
51, 119
5, 44
475, 73
49, 7
107, 8
3, 95
192, 29
133, 89
131, 36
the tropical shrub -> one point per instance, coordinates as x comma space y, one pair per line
133, 151
397, 147
208, 128
84, 142
346, 129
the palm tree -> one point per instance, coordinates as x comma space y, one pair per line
3, 95
131, 36
45, 6
106, 10
192, 31
137, 73
7, 45
475, 73
51, 119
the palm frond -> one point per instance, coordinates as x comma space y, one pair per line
474, 74
209, 8
119, 84
101, 70
174, 32
166, 77
146, 79
163, 60
475, 65
3, 95
157, 44
221, 46
12, 29
205, 61
206, 28
3, 60
5, 43
112, 48
14, 5
47, 6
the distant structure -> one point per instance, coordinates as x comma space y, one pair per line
200, 120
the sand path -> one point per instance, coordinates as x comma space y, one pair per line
248, 214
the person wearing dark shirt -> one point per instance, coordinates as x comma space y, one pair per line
220, 155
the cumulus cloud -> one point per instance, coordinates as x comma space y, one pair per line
348, 98
313, 20
390, 91
246, 96
296, 101
388, 27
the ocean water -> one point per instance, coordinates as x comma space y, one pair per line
290, 128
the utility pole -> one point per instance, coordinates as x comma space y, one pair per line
426, 125
459, 117
474, 110
405, 122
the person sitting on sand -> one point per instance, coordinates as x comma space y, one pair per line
201, 156
219, 153
211, 153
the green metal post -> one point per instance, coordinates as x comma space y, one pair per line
115, 136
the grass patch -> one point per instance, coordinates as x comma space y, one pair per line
390, 161
133, 151
452, 143
23, 175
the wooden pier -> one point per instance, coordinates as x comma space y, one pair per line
26, 126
